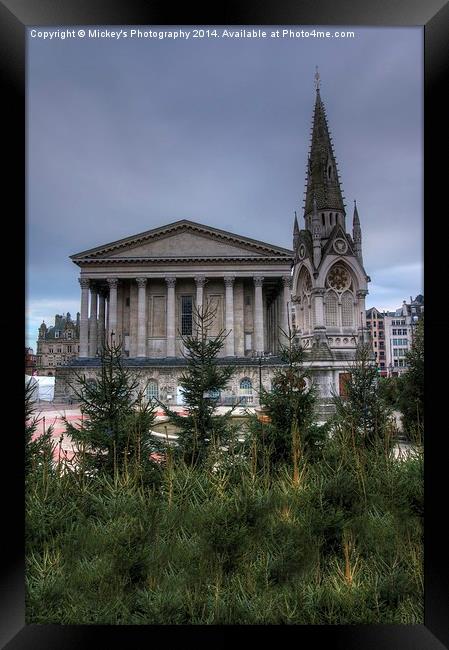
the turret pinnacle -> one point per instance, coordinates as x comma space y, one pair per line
295, 233
322, 175
357, 234
356, 220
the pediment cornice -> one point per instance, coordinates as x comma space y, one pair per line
245, 243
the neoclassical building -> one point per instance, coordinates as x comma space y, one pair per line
143, 290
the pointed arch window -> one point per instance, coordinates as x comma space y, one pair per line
331, 309
152, 390
347, 309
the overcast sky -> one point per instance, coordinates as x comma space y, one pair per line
128, 135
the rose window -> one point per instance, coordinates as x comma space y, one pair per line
338, 278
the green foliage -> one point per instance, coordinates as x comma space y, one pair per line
339, 541
201, 429
362, 410
411, 392
290, 408
223, 547
115, 431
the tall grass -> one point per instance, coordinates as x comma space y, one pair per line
336, 541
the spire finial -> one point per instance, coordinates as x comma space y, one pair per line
317, 78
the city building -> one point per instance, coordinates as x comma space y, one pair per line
142, 289
375, 323
392, 333
58, 344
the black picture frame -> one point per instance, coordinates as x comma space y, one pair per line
15, 17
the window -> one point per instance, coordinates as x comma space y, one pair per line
395, 332
322, 219
396, 363
69, 348
246, 390
127, 302
69, 334
347, 310
56, 334
331, 310
395, 352
381, 325
375, 344
152, 390
381, 345
186, 315
382, 355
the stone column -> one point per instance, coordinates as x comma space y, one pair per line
361, 316
318, 295
84, 318
286, 303
171, 315
141, 317
93, 322
200, 282
258, 314
101, 319
229, 309
319, 329
112, 310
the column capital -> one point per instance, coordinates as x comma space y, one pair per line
94, 288
171, 281
229, 280
287, 281
258, 280
361, 293
200, 280
84, 282
318, 291
141, 282
113, 282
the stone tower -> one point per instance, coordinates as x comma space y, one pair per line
329, 280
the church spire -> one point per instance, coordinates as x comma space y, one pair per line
322, 175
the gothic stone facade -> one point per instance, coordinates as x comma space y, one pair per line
143, 289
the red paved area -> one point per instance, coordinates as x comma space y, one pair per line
51, 415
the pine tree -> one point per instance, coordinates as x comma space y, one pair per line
201, 428
411, 386
362, 410
289, 406
116, 416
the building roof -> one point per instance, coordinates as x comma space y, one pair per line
205, 242
324, 187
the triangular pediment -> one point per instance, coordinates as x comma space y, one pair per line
334, 244
183, 239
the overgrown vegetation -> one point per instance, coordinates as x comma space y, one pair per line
115, 431
311, 537
406, 392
